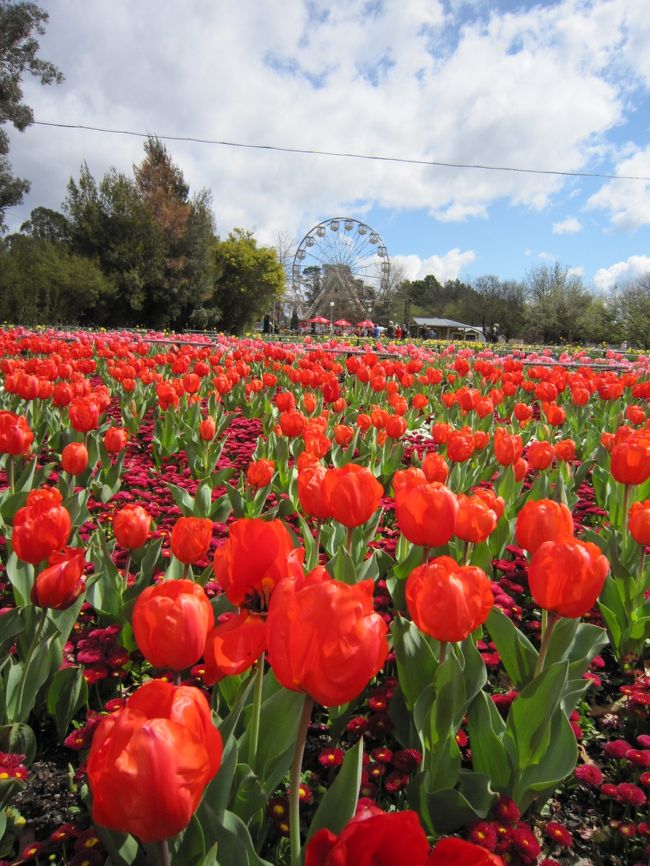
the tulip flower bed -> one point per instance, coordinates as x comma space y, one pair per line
322, 604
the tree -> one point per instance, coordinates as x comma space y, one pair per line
248, 279
185, 279
20, 23
110, 225
384, 309
47, 225
149, 238
500, 307
43, 282
631, 307
555, 300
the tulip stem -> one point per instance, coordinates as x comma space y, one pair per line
163, 853
641, 567
443, 652
257, 712
349, 544
626, 505
11, 472
127, 569
546, 640
294, 793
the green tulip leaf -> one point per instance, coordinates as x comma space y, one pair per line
517, 653
68, 692
340, 800
489, 756
528, 726
414, 655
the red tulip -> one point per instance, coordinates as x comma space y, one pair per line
458, 852
74, 458
371, 838
426, 513
520, 468
555, 415
542, 520
460, 446
84, 414
566, 576
191, 537
446, 600
475, 520
639, 522
170, 622
150, 762
60, 584
16, 436
207, 429
131, 526
507, 447
233, 646
496, 503
631, 459
565, 450
440, 432
260, 473
42, 526
311, 493
395, 426
256, 556
540, 454
635, 414
343, 435
115, 439
435, 467
522, 412
324, 637
352, 494
292, 424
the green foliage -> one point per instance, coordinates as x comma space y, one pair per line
631, 305
41, 281
248, 278
556, 299
20, 24
151, 240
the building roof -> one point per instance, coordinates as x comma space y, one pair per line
444, 323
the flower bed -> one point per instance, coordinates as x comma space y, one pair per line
406, 584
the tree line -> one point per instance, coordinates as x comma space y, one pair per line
550, 305
135, 251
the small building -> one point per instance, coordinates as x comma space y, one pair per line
445, 329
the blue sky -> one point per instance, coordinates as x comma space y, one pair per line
560, 85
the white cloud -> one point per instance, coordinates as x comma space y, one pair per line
621, 272
570, 225
459, 212
578, 271
628, 201
531, 88
443, 268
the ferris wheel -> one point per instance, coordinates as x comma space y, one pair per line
340, 255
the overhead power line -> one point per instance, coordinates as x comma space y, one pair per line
343, 154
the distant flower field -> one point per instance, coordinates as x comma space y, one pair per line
328, 603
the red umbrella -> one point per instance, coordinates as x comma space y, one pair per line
365, 324
319, 320
343, 323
